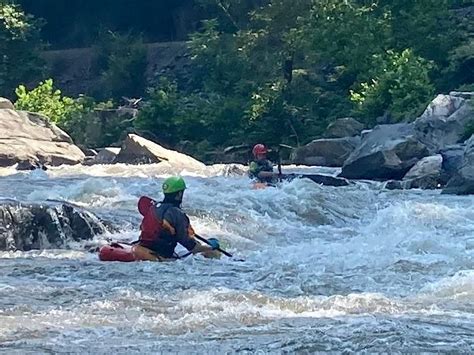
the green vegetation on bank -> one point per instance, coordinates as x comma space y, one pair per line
276, 71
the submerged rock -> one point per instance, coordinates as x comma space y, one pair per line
321, 179
37, 226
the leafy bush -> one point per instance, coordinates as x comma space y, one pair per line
79, 117
47, 100
20, 45
157, 118
86, 127
400, 84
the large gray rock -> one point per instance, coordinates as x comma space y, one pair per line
344, 127
427, 166
444, 121
426, 174
106, 155
462, 182
28, 136
452, 159
468, 95
386, 152
6, 104
325, 152
35, 226
138, 150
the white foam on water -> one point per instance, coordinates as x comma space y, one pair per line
357, 256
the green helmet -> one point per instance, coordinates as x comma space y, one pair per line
173, 184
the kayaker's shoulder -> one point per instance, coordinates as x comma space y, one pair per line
170, 211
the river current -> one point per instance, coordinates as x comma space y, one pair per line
346, 269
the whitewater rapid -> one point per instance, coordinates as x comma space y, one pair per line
344, 269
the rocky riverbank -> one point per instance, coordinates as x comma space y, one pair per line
434, 151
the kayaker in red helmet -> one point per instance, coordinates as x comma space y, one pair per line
261, 169
165, 225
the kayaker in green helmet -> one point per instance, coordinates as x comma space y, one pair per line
261, 169
165, 225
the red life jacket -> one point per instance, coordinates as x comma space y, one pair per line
151, 226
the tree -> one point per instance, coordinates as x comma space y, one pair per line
19, 43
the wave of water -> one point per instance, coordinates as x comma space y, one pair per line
326, 269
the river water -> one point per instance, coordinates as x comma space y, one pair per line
351, 269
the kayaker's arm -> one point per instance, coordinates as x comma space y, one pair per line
262, 171
180, 222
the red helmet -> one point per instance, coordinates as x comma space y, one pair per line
259, 149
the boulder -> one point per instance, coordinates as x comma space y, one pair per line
452, 159
6, 104
386, 152
325, 152
106, 155
326, 180
138, 150
88, 152
426, 174
321, 179
36, 226
394, 185
462, 182
462, 94
444, 121
28, 136
344, 127
427, 166
30, 165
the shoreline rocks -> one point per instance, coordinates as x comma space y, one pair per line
331, 152
138, 150
387, 152
27, 137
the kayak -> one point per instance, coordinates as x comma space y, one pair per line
128, 253
135, 252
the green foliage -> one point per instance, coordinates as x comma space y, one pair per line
47, 100
157, 117
121, 63
400, 84
278, 71
343, 35
19, 48
88, 126
86, 121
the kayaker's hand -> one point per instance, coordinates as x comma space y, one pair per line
213, 243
